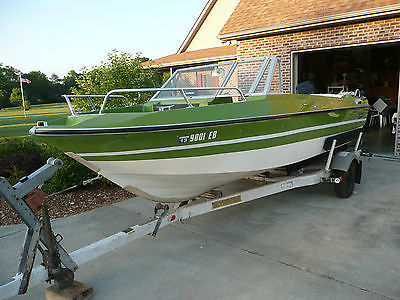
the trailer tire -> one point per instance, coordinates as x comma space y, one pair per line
345, 188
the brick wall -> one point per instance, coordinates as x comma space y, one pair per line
283, 45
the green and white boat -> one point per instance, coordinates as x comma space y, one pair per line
206, 126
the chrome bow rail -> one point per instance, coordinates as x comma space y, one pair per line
88, 97
181, 90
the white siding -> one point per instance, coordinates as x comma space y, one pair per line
206, 37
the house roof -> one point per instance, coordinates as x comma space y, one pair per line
196, 26
193, 57
257, 17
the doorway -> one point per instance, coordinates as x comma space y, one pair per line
371, 69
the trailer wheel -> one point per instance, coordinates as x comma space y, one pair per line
345, 188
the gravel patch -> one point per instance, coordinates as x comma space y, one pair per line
73, 202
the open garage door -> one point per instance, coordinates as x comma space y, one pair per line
372, 69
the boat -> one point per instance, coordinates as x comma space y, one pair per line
206, 126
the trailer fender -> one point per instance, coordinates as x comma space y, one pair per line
342, 161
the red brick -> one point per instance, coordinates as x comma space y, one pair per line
350, 34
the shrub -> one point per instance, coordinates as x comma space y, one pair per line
15, 97
70, 174
16, 165
27, 105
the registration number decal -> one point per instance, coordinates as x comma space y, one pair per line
198, 137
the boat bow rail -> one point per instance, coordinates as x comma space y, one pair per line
247, 77
182, 91
89, 99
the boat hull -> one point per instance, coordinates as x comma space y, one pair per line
179, 179
182, 159
176, 179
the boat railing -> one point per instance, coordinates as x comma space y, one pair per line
89, 99
182, 90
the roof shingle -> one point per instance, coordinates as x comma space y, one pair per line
253, 14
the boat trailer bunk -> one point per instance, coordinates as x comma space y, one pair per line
341, 168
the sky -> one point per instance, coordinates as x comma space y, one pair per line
56, 36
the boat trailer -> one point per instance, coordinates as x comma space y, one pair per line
342, 168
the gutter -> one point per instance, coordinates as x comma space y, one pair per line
386, 11
192, 61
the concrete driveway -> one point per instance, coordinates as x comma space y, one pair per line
302, 244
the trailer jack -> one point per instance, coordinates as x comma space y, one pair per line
27, 201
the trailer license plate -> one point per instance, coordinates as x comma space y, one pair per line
225, 202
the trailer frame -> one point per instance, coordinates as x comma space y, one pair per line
203, 204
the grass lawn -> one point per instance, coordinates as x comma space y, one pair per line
13, 124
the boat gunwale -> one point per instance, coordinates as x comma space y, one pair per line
152, 128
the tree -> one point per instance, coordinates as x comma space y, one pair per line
8, 80
69, 82
54, 79
56, 88
15, 97
3, 99
10, 74
39, 88
121, 70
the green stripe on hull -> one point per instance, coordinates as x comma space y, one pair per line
230, 148
159, 139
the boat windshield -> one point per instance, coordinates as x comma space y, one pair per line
251, 76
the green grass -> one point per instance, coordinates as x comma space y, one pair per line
13, 124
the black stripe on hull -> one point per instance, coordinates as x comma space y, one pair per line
43, 131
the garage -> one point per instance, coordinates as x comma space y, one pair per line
373, 70
347, 46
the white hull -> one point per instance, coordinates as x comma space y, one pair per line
179, 179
